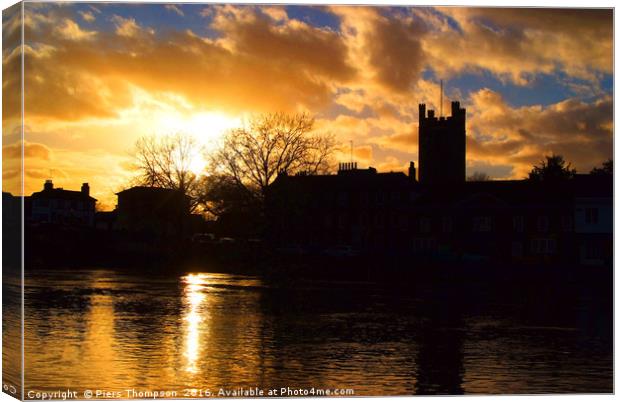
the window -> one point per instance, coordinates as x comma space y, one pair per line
423, 244
404, 221
327, 221
425, 225
364, 198
542, 224
379, 198
517, 249
482, 224
593, 252
591, 216
543, 246
518, 224
342, 221
567, 223
379, 220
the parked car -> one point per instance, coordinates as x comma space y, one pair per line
203, 238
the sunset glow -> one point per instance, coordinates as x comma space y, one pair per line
101, 76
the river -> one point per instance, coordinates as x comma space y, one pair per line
97, 329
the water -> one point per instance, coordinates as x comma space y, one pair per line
99, 329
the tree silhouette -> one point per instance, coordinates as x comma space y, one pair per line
253, 156
165, 162
223, 195
479, 176
553, 168
606, 169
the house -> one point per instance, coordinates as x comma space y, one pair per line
441, 215
60, 206
357, 207
11, 209
593, 218
153, 211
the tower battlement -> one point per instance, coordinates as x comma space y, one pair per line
441, 146
429, 118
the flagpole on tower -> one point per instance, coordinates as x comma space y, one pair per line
440, 98
351, 150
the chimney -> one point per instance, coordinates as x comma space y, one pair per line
85, 189
412, 171
48, 185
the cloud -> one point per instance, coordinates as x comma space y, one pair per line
515, 44
92, 90
309, 50
392, 164
31, 150
255, 67
389, 48
70, 30
582, 132
87, 16
128, 27
363, 152
175, 9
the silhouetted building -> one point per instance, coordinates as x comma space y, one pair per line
11, 209
593, 218
60, 206
153, 211
357, 207
441, 144
388, 213
105, 220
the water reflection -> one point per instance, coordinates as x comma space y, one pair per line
194, 296
105, 330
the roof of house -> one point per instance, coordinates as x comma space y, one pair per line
347, 180
62, 194
504, 191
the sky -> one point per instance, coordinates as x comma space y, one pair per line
98, 76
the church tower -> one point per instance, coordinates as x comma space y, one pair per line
441, 146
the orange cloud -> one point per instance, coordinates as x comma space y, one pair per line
515, 43
581, 132
14, 151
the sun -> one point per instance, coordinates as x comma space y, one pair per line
206, 128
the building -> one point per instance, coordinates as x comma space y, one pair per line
153, 211
389, 213
11, 209
441, 144
60, 206
357, 207
441, 216
593, 219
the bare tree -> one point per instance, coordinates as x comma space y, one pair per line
253, 156
479, 176
165, 162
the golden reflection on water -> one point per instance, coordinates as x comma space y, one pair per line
194, 296
102, 330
